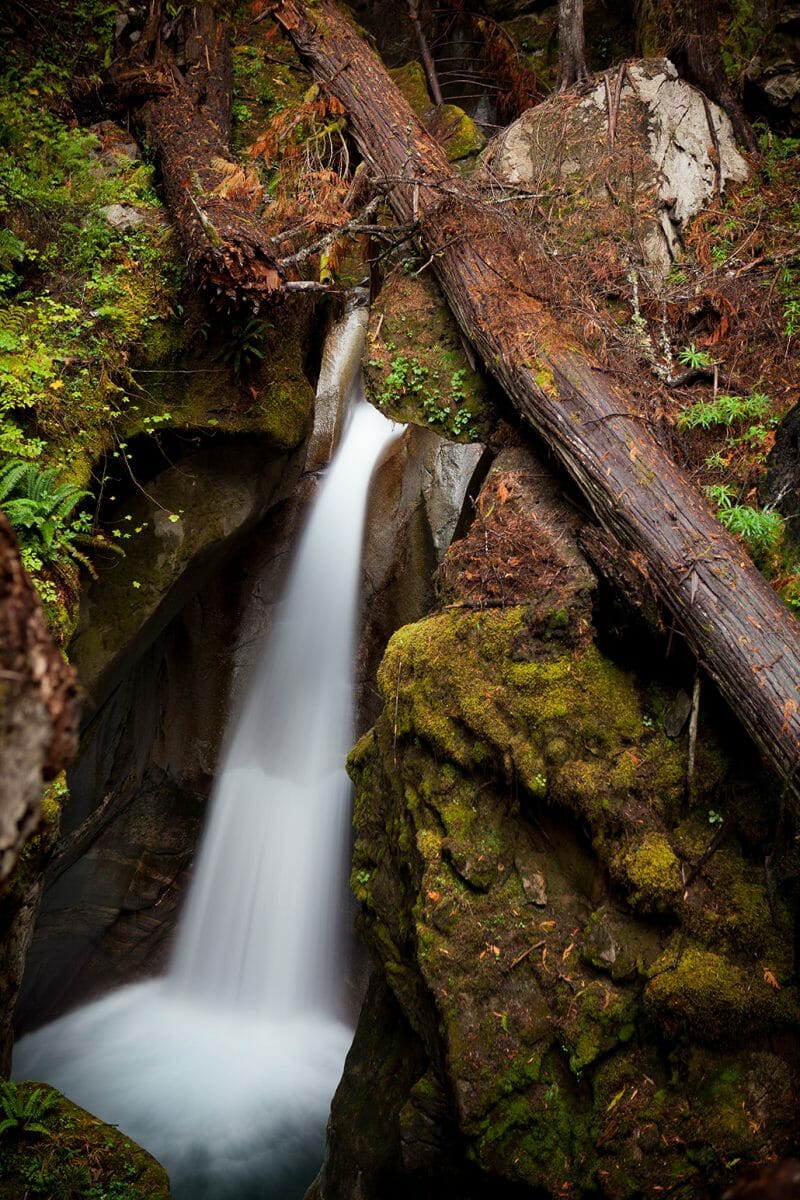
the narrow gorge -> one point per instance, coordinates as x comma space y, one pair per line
381, 814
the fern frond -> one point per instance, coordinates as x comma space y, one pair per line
10, 475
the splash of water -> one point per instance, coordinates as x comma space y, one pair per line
224, 1069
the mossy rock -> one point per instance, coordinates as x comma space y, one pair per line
572, 1023
701, 993
415, 366
454, 129
65, 1151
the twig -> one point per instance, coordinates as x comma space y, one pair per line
396, 706
424, 52
439, 250
693, 721
521, 957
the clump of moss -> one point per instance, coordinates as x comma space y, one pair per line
697, 991
651, 872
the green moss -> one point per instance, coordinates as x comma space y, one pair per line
543, 1130
601, 1018
411, 81
459, 135
703, 994
651, 872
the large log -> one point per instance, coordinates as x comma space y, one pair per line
181, 73
743, 635
38, 737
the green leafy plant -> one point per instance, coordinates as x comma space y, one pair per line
698, 360
724, 411
410, 380
761, 529
21, 1114
41, 508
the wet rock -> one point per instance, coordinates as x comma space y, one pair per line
676, 714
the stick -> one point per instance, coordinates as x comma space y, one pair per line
693, 720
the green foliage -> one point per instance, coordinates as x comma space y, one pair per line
724, 411
761, 529
244, 347
72, 1156
41, 508
690, 356
24, 1113
409, 380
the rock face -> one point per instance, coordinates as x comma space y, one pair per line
38, 736
601, 1003
667, 174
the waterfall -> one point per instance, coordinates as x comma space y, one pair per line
224, 1069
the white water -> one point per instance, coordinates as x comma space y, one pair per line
225, 1068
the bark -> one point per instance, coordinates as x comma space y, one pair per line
38, 737
184, 69
745, 638
38, 706
699, 56
572, 66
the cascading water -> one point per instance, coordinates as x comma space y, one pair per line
224, 1069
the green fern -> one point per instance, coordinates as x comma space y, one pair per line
23, 1114
40, 507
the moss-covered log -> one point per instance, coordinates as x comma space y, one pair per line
184, 69
745, 638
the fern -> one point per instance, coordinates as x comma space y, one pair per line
40, 508
25, 1114
761, 529
10, 475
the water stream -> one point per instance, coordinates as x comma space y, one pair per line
224, 1068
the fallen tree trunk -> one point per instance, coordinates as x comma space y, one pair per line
743, 635
38, 737
184, 68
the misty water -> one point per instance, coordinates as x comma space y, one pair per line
225, 1067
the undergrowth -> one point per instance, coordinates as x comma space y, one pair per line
80, 297
52, 1150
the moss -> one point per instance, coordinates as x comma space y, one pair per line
701, 993
543, 1130
601, 1018
651, 872
78, 1156
460, 137
411, 81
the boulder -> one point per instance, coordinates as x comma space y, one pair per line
564, 149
